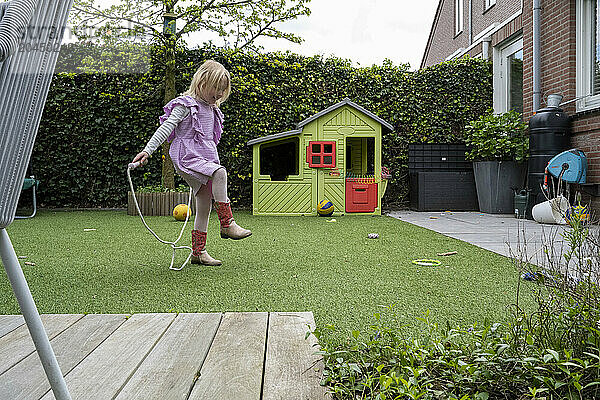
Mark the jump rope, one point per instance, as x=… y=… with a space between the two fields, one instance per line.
x=173 y=245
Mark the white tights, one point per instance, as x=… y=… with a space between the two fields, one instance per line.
x=204 y=197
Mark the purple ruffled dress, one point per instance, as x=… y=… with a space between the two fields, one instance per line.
x=194 y=140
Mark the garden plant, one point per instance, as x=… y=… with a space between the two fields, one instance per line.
x=549 y=351
x=497 y=137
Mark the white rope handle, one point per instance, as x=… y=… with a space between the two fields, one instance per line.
x=173 y=245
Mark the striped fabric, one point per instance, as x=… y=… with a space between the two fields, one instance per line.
x=15 y=17
x=26 y=68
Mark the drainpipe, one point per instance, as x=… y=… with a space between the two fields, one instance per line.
x=537 y=93
x=485 y=47
x=470 y=22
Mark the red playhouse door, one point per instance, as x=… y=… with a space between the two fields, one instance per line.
x=361 y=197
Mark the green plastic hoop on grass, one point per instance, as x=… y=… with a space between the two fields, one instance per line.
x=427 y=263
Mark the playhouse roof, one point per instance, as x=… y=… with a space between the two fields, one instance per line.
x=308 y=120
x=274 y=136
x=345 y=102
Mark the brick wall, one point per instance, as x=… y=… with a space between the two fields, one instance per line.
x=498 y=13
x=558 y=59
x=509 y=30
x=443 y=40
x=475 y=51
x=557 y=51
x=558 y=65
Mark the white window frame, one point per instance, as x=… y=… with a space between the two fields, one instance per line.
x=459 y=21
x=584 y=57
x=489 y=3
x=501 y=72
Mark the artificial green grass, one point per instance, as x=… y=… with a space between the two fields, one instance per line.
x=288 y=264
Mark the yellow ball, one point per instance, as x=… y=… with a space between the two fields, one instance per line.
x=180 y=212
x=325 y=208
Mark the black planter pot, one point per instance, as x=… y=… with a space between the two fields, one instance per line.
x=494 y=180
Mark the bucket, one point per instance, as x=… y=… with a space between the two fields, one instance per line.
x=551 y=211
x=554 y=100
x=520 y=203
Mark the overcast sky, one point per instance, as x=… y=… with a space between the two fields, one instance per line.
x=364 y=31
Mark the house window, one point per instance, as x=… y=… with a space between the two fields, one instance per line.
x=321 y=154
x=508 y=77
x=489 y=3
x=458 y=16
x=514 y=69
x=588 y=54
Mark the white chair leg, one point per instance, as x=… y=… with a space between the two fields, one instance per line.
x=32 y=317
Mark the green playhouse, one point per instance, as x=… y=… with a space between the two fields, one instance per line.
x=333 y=155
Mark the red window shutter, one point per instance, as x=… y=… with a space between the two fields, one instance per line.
x=321 y=154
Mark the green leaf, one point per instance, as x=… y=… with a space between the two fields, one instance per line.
x=570 y=364
x=529 y=339
x=595 y=383
x=553 y=353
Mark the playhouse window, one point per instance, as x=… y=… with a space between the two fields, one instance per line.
x=371 y=155
x=360 y=155
x=279 y=160
x=321 y=154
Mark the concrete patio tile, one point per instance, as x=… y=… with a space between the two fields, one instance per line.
x=501 y=233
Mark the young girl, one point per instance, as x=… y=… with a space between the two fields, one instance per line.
x=193 y=124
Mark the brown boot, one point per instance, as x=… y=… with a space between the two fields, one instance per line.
x=199 y=253
x=229 y=229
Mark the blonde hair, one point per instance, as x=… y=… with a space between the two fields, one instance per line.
x=210 y=74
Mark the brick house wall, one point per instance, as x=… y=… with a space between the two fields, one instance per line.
x=508 y=31
x=512 y=28
x=501 y=11
x=558 y=59
x=557 y=52
x=558 y=75
x=442 y=40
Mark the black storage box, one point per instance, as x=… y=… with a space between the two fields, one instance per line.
x=443 y=191
x=441 y=178
x=438 y=157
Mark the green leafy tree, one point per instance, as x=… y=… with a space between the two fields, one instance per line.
x=167 y=24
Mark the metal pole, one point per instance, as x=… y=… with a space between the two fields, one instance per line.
x=470 y=22
x=485 y=47
x=537 y=92
x=32 y=317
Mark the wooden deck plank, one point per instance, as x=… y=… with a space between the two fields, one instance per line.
x=292 y=370
x=18 y=344
x=159 y=355
x=101 y=374
x=27 y=380
x=234 y=365
x=9 y=323
x=171 y=368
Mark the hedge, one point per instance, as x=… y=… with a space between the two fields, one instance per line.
x=93 y=124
